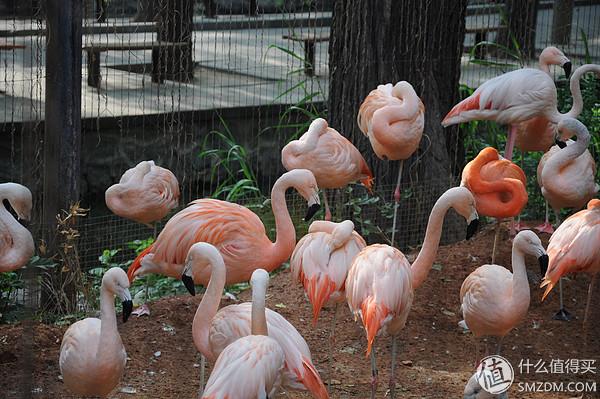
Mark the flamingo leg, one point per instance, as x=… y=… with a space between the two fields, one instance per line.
x=396 y=201
x=562 y=314
x=587 y=308
x=393 y=368
x=498 y=224
x=202 y=370
x=331 y=345
x=327 y=210
x=373 y=374
x=510 y=142
x=547 y=226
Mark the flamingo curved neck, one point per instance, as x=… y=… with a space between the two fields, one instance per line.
x=563 y=157
x=575 y=87
x=209 y=305
x=520 y=292
x=285 y=240
x=109 y=334
x=259 y=319
x=422 y=265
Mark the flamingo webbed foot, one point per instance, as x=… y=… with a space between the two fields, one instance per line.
x=563 y=315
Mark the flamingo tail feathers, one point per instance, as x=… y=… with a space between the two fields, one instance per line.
x=310 y=378
x=468 y=104
x=373 y=315
x=319 y=292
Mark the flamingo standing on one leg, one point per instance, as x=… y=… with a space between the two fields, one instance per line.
x=92 y=356
x=518 y=96
x=237 y=232
x=212 y=331
x=498 y=186
x=255 y=362
x=321 y=261
x=574 y=248
x=16 y=242
x=333 y=159
x=392 y=117
x=380 y=282
x=567 y=178
x=145 y=193
x=494 y=300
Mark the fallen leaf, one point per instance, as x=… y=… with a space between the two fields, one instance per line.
x=407 y=363
x=280 y=305
x=142 y=311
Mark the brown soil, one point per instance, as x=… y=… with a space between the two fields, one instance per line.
x=438 y=358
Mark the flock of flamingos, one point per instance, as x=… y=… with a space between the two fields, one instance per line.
x=215 y=243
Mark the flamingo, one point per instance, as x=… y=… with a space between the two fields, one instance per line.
x=237 y=232
x=494 y=300
x=16 y=242
x=145 y=193
x=499 y=186
x=321 y=261
x=212 y=331
x=567 y=178
x=255 y=362
x=518 y=96
x=392 y=117
x=333 y=159
x=92 y=356
x=473 y=390
x=380 y=282
x=574 y=248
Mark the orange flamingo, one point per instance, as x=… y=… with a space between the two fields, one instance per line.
x=494 y=300
x=380 y=282
x=573 y=248
x=255 y=362
x=333 y=159
x=145 y=193
x=16 y=242
x=567 y=178
x=237 y=232
x=92 y=356
x=214 y=329
x=321 y=261
x=497 y=184
x=392 y=117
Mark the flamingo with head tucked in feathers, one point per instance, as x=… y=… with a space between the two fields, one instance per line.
x=237 y=232
x=16 y=242
x=214 y=329
x=381 y=281
x=333 y=159
x=518 y=96
x=393 y=118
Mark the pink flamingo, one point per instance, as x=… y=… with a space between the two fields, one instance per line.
x=518 y=96
x=237 y=232
x=392 y=117
x=381 y=281
x=92 y=356
x=567 y=178
x=573 y=248
x=214 y=329
x=16 y=242
x=255 y=362
x=494 y=300
x=145 y=193
x=321 y=261
x=333 y=159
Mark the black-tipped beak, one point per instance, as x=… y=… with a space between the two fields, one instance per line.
x=472 y=228
x=567 y=67
x=127 y=309
x=314 y=208
x=543 y=264
x=24 y=223
x=560 y=143
x=189 y=284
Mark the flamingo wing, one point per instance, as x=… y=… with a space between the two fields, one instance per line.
x=234 y=321
x=379 y=290
x=254 y=363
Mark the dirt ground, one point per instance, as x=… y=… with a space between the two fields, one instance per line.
x=435 y=357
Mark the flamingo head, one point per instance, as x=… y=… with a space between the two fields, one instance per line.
x=530 y=244
x=304 y=181
x=200 y=255
x=19 y=198
x=463 y=202
x=116 y=282
x=553 y=56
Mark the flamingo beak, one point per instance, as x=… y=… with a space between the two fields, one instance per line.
x=473 y=225
x=543 y=260
x=127 y=309
x=561 y=144
x=187 y=280
x=312 y=209
x=567 y=68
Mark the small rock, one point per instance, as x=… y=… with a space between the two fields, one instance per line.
x=157 y=354
x=335 y=382
x=348 y=349
x=60 y=377
x=407 y=363
x=130 y=390
x=448 y=313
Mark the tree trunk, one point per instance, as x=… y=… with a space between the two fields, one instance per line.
x=147 y=11
x=176 y=24
x=382 y=41
x=521 y=21
x=562 y=14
